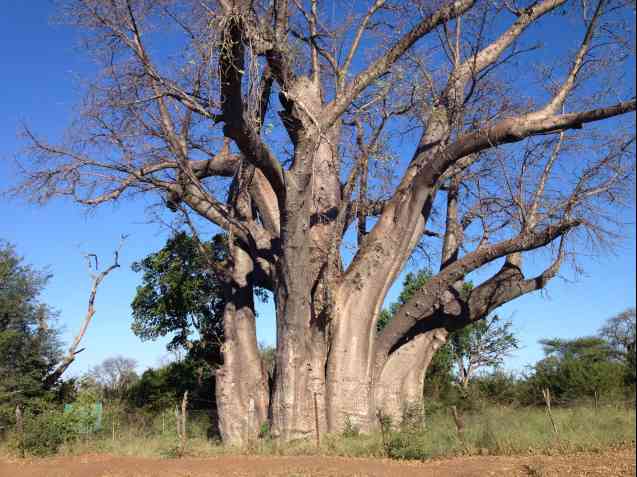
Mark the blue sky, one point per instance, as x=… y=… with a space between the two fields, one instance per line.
x=41 y=63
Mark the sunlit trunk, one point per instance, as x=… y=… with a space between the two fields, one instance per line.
x=303 y=301
x=241 y=383
x=400 y=388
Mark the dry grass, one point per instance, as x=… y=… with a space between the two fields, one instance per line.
x=494 y=431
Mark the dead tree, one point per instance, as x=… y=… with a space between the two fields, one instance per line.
x=97 y=279
x=288 y=126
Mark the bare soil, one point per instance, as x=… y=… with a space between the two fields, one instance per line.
x=616 y=463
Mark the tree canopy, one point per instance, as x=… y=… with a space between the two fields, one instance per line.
x=113 y=377
x=577 y=368
x=29 y=343
x=181 y=296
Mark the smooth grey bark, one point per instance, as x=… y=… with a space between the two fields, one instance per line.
x=241 y=383
x=350 y=368
x=303 y=290
x=353 y=368
x=400 y=387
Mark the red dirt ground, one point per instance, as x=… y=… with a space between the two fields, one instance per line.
x=616 y=463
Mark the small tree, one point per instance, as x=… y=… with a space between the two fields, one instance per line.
x=483 y=344
x=115 y=376
x=576 y=368
x=29 y=345
x=619 y=331
x=180 y=295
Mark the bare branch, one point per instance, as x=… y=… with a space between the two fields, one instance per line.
x=73 y=351
x=338 y=106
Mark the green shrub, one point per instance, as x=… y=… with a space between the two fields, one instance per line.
x=407 y=445
x=413 y=417
x=350 y=429
x=45 y=430
x=264 y=431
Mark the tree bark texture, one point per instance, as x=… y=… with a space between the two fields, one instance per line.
x=241 y=384
x=289 y=206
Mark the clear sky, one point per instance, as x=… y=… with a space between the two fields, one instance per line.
x=40 y=67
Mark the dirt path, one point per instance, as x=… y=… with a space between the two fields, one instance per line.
x=619 y=463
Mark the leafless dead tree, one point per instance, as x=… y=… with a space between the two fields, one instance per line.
x=97 y=279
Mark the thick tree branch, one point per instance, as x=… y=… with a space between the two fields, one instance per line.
x=515 y=130
x=237 y=125
x=490 y=54
x=439 y=294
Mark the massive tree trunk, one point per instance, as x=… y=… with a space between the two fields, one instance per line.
x=241 y=384
x=303 y=288
x=350 y=367
x=353 y=371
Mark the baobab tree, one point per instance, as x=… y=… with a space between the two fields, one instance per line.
x=331 y=142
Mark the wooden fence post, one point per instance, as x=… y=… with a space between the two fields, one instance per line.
x=316 y=423
x=457 y=419
x=19 y=426
x=184 y=418
x=547 y=399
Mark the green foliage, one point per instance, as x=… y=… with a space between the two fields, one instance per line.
x=577 y=368
x=439 y=380
x=494 y=430
x=413 y=417
x=407 y=445
x=29 y=345
x=264 y=431
x=499 y=387
x=412 y=283
x=45 y=429
x=350 y=429
x=162 y=388
x=181 y=296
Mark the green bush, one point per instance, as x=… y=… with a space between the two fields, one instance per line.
x=350 y=429
x=45 y=430
x=413 y=417
x=407 y=445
